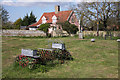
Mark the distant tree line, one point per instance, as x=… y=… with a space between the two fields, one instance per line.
x=27 y=20
x=6 y=24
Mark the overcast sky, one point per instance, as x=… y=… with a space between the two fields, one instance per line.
x=19 y=8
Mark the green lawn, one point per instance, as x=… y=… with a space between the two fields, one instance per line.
x=91 y=59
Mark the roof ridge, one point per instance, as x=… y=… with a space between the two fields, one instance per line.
x=59 y=11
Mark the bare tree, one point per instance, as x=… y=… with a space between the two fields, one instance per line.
x=88 y=12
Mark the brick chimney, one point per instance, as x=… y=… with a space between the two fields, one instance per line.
x=57 y=9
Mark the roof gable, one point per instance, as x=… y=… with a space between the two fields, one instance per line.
x=54 y=17
x=43 y=18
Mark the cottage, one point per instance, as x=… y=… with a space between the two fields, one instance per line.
x=58 y=16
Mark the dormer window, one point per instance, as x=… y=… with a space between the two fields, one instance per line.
x=44 y=20
x=54 y=19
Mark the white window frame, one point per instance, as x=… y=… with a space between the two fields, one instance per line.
x=43 y=20
x=54 y=19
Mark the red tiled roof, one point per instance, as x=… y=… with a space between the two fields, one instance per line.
x=62 y=16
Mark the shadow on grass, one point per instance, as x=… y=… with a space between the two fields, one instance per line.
x=36 y=36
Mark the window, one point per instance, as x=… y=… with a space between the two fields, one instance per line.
x=72 y=20
x=44 y=20
x=54 y=19
x=59 y=27
x=54 y=28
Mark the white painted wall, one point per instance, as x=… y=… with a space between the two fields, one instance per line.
x=54 y=19
x=43 y=20
x=50 y=30
x=32 y=28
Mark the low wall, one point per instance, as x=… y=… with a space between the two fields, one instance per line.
x=101 y=33
x=59 y=33
x=41 y=33
x=23 y=33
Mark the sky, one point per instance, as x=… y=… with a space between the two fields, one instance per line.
x=19 y=8
x=19 y=11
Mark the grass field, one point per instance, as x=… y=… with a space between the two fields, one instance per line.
x=91 y=59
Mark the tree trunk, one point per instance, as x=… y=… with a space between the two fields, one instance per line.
x=105 y=25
